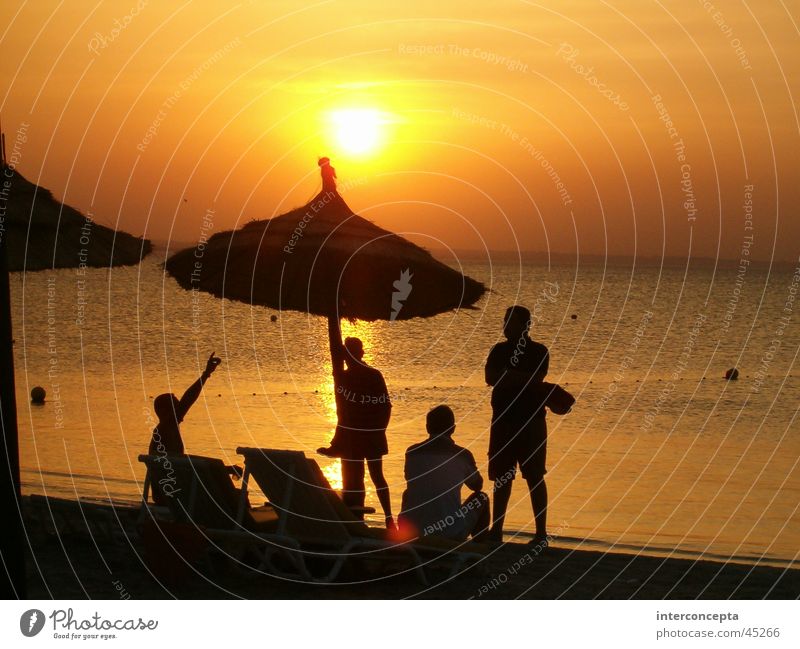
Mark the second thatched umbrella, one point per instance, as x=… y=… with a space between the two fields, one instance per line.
x=324 y=259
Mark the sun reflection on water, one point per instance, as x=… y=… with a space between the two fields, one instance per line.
x=333 y=472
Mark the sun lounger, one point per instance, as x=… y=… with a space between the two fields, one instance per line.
x=307 y=506
x=204 y=511
x=315 y=521
x=200 y=490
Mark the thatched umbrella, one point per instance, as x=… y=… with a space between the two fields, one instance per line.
x=323 y=259
x=44 y=233
x=37 y=232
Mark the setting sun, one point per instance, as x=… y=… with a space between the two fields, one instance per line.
x=357 y=131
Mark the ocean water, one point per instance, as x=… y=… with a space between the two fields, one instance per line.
x=659 y=454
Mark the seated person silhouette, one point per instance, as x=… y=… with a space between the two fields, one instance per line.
x=435 y=470
x=166 y=440
x=328 y=175
x=363 y=409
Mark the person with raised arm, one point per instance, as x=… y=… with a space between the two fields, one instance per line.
x=166 y=439
x=363 y=409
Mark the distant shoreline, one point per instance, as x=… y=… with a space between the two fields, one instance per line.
x=507 y=257
x=571 y=259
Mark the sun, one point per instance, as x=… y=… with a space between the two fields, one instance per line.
x=358 y=131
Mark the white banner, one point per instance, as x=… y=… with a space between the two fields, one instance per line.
x=339 y=624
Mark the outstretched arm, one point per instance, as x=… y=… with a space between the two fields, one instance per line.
x=337 y=347
x=190 y=396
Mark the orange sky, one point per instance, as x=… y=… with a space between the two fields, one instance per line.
x=486 y=108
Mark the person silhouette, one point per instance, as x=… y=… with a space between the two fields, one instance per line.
x=363 y=409
x=435 y=471
x=328 y=175
x=516 y=369
x=166 y=439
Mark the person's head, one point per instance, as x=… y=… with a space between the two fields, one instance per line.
x=440 y=422
x=517 y=322
x=166 y=407
x=323 y=162
x=354 y=348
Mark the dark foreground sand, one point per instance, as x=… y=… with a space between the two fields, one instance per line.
x=74 y=564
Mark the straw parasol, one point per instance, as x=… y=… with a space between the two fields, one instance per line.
x=44 y=233
x=321 y=256
x=37 y=232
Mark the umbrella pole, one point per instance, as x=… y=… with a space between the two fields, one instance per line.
x=12 y=570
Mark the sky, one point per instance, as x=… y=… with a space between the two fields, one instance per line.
x=597 y=128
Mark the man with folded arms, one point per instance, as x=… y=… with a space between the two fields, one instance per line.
x=516 y=369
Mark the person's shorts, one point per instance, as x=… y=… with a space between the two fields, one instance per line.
x=512 y=444
x=360 y=445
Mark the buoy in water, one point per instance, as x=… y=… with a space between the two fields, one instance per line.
x=38 y=395
x=732 y=374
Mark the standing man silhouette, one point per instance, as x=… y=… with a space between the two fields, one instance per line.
x=515 y=369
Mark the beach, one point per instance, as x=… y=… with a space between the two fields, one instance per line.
x=79 y=565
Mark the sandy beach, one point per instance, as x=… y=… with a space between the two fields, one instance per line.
x=76 y=564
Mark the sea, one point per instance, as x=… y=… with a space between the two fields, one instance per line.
x=660 y=454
